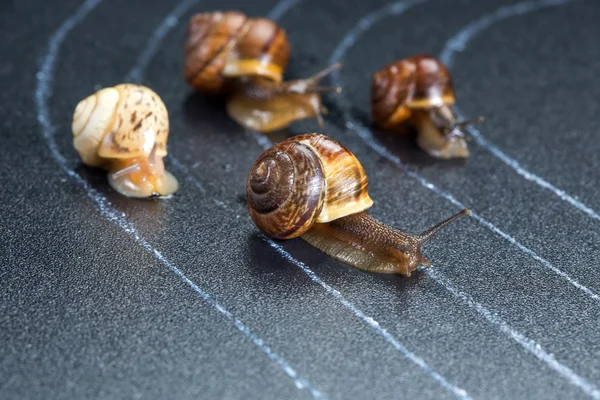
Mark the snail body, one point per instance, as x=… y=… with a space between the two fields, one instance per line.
x=244 y=58
x=418 y=90
x=312 y=187
x=124 y=129
x=265 y=106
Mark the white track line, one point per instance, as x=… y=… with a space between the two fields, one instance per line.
x=42 y=94
x=364 y=133
x=458 y=392
x=264 y=142
x=529 y=345
x=363 y=25
x=460 y=41
x=137 y=72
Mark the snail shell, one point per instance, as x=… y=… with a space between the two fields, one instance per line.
x=305 y=179
x=417 y=82
x=418 y=90
x=229 y=53
x=223 y=45
x=313 y=187
x=120 y=125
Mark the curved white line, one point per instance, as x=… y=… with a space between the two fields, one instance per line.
x=364 y=133
x=529 y=345
x=458 y=392
x=42 y=94
x=262 y=140
x=363 y=25
x=137 y=72
x=460 y=41
x=278 y=11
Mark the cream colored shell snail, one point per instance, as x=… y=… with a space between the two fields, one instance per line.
x=124 y=129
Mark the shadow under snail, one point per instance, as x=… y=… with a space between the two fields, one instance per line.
x=228 y=53
x=124 y=129
x=312 y=187
x=418 y=90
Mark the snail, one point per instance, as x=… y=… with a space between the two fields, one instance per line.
x=418 y=90
x=228 y=53
x=265 y=106
x=312 y=187
x=224 y=45
x=124 y=130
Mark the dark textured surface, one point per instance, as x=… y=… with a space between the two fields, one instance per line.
x=87 y=310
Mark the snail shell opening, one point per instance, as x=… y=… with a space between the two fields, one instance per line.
x=225 y=45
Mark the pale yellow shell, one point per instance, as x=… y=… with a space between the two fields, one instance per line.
x=124 y=121
x=347 y=185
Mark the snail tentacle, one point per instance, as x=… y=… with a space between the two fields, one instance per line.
x=418 y=91
x=313 y=187
x=124 y=129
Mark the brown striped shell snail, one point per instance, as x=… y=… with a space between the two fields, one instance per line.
x=418 y=90
x=312 y=187
x=124 y=129
x=229 y=53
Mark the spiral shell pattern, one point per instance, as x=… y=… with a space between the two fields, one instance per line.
x=285 y=190
x=221 y=45
x=124 y=121
x=302 y=180
x=91 y=119
x=391 y=89
x=419 y=81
